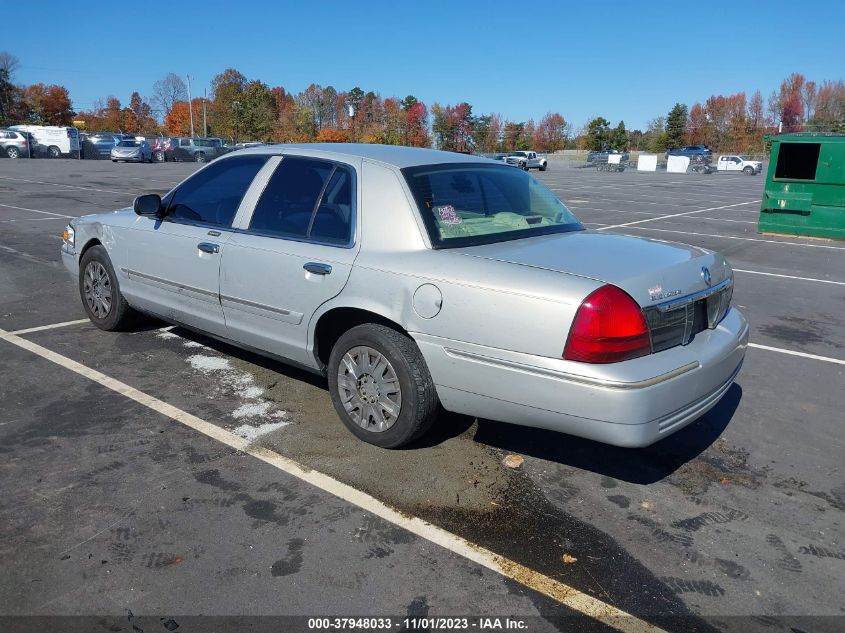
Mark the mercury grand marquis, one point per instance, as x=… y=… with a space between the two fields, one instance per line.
x=416 y=280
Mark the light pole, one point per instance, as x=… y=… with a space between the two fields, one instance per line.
x=190 y=106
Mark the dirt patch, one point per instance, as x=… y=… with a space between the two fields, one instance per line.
x=721 y=463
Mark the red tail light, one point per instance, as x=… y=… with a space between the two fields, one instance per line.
x=609 y=327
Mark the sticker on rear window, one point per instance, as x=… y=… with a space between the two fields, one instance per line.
x=448 y=215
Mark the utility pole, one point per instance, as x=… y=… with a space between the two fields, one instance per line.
x=204 y=99
x=190 y=106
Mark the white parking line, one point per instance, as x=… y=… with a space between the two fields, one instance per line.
x=758 y=272
x=732 y=237
x=58 y=215
x=676 y=215
x=52 y=326
x=61 y=184
x=825 y=359
x=701 y=217
x=562 y=593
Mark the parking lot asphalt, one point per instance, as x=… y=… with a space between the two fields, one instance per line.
x=108 y=507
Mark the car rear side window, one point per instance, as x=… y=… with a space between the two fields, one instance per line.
x=213 y=195
x=797 y=161
x=307 y=199
x=468 y=204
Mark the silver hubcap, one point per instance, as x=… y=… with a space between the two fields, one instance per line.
x=369 y=389
x=96 y=286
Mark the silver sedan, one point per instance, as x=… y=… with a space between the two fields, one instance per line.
x=130 y=150
x=416 y=279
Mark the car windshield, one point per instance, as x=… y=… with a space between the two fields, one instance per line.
x=745 y=157
x=468 y=204
x=129 y=144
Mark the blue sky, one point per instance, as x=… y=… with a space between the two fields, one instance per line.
x=621 y=60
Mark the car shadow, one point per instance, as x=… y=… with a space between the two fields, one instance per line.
x=633 y=465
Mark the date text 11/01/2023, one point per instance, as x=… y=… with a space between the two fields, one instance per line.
x=419 y=624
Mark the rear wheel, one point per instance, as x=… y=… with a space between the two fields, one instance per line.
x=100 y=292
x=159 y=156
x=380 y=386
x=199 y=157
x=54 y=152
x=13 y=152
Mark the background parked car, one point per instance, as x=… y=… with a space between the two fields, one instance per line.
x=99 y=146
x=132 y=150
x=691 y=150
x=14 y=144
x=527 y=160
x=200 y=150
x=601 y=156
x=732 y=162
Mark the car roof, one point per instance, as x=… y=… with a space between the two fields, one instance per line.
x=396 y=155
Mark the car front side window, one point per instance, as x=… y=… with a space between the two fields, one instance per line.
x=213 y=195
x=307 y=199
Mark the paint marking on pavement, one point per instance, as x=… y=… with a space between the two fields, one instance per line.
x=58 y=215
x=61 y=184
x=758 y=272
x=677 y=215
x=556 y=590
x=826 y=359
x=733 y=237
x=52 y=326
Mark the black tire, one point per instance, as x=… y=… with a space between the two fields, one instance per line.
x=542 y=166
x=200 y=157
x=119 y=316
x=114 y=160
x=54 y=152
x=160 y=157
x=419 y=405
x=13 y=152
x=524 y=166
x=749 y=171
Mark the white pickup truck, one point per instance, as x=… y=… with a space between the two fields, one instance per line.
x=739 y=163
x=526 y=160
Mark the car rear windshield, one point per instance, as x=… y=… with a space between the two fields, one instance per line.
x=468 y=204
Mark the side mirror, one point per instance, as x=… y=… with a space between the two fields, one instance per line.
x=149 y=204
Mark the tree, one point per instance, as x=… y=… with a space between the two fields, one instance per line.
x=417 y=123
x=12 y=107
x=9 y=63
x=619 y=138
x=409 y=102
x=178 y=120
x=676 y=126
x=167 y=91
x=138 y=116
x=257 y=114
x=225 y=108
x=49 y=104
x=452 y=127
x=598 y=134
x=551 y=133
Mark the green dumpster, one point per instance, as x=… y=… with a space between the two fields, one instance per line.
x=805 y=186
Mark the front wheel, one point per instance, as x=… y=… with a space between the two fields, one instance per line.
x=749 y=171
x=100 y=292
x=159 y=157
x=200 y=157
x=54 y=152
x=380 y=386
x=542 y=166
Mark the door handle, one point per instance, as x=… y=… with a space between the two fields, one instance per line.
x=208 y=247
x=316 y=268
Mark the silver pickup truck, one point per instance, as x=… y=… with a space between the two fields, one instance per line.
x=527 y=160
